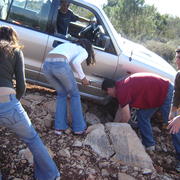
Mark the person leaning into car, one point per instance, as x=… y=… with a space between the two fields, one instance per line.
x=174 y=117
x=57 y=69
x=65 y=16
x=12 y=114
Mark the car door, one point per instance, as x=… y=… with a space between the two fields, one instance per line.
x=30 y=19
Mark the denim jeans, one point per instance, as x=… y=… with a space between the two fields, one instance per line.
x=176 y=143
x=61 y=77
x=144 y=118
x=14 y=117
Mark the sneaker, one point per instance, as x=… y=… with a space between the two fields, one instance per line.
x=150 y=148
x=80 y=132
x=177 y=166
x=58 y=178
x=58 y=132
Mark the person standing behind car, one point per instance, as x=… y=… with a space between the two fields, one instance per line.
x=65 y=16
x=58 y=72
x=174 y=116
x=12 y=114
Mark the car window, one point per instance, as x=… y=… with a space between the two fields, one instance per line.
x=83 y=12
x=87 y=25
x=4 y=4
x=30 y=13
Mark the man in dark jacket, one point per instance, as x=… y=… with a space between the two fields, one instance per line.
x=174 y=117
x=65 y=16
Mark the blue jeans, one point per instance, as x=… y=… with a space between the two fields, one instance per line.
x=176 y=143
x=14 y=117
x=144 y=118
x=61 y=77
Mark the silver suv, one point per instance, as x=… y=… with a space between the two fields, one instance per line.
x=116 y=57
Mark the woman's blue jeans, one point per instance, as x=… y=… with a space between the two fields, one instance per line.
x=14 y=117
x=144 y=118
x=61 y=77
x=176 y=143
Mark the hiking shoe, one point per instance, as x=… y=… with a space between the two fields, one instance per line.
x=150 y=148
x=177 y=166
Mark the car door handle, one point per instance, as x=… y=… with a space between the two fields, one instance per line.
x=56 y=43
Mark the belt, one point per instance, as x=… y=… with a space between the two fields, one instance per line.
x=55 y=59
x=5 y=98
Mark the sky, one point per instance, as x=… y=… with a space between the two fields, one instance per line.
x=171 y=7
x=166 y=6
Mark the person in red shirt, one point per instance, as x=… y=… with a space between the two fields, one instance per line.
x=145 y=91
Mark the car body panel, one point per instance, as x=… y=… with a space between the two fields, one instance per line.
x=116 y=57
x=34 y=46
x=137 y=58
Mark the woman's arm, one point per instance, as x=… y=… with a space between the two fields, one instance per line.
x=78 y=68
x=19 y=74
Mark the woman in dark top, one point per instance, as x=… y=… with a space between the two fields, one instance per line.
x=174 y=117
x=12 y=114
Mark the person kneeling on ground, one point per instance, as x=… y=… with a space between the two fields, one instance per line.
x=136 y=91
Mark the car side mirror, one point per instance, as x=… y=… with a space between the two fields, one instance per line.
x=105 y=41
x=102 y=41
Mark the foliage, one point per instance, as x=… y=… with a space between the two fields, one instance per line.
x=140 y=22
x=81 y=11
x=162 y=49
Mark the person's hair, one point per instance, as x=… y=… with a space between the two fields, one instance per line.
x=86 y=44
x=8 y=41
x=178 y=49
x=107 y=83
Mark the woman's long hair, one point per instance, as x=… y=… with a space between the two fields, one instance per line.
x=86 y=44
x=8 y=41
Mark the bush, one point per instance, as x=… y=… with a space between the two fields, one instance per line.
x=165 y=50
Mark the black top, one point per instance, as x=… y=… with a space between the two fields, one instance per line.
x=10 y=67
x=176 y=98
x=63 y=21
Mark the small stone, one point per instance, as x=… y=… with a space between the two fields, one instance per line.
x=104 y=172
x=23 y=161
x=12 y=171
x=147 y=171
x=77 y=143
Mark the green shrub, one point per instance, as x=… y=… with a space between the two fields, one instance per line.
x=165 y=50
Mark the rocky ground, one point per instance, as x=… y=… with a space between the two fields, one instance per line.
x=78 y=162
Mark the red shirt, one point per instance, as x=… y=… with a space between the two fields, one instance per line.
x=142 y=90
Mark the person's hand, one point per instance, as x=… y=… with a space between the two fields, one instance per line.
x=172 y=115
x=85 y=82
x=93 y=20
x=174 y=125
